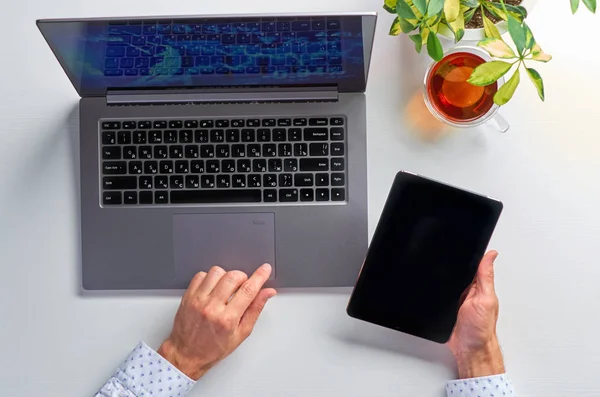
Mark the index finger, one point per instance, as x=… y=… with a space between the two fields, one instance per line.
x=249 y=290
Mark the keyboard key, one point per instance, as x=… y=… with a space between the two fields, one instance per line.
x=337 y=164
x=269 y=180
x=160 y=152
x=222 y=151
x=207 y=181
x=294 y=134
x=253 y=123
x=270 y=195
x=190 y=124
x=254 y=150
x=145 y=197
x=300 y=149
x=150 y=167
x=155 y=136
x=285 y=180
x=207 y=151
x=145 y=152
x=337 y=134
x=337 y=149
x=176 y=182
x=182 y=167
x=223 y=181
x=337 y=179
x=307 y=195
x=319 y=149
x=111 y=198
x=301 y=25
x=145 y=183
x=239 y=181
x=290 y=165
x=217 y=136
x=130 y=198
x=264 y=135
x=161 y=197
x=192 y=182
x=316 y=134
x=279 y=134
x=269 y=122
x=191 y=152
x=318 y=121
x=161 y=182
x=144 y=124
x=338 y=194
x=119 y=182
x=275 y=165
x=114 y=167
x=222 y=123
x=322 y=194
x=336 y=121
x=108 y=137
x=160 y=124
x=201 y=136
x=248 y=135
x=176 y=152
x=259 y=165
x=111 y=153
x=288 y=195
x=269 y=150
x=303 y=180
x=322 y=179
x=130 y=152
x=216 y=196
x=111 y=125
x=213 y=166
x=238 y=151
x=300 y=122
x=186 y=136
x=175 y=124
x=135 y=167
x=284 y=149
x=170 y=136
x=284 y=122
x=254 y=180
x=197 y=166
x=124 y=137
x=166 y=167
x=139 y=137
x=314 y=164
x=244 y=165
x=232 y=135
x=228 y=165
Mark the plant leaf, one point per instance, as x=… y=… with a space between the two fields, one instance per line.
x=425 y=35
x=497 y=48
x=538 y=55
x=395 y=28
x=421 y=6
x=458 y=27
x=435 y=7
x=518 y=33
x=390 y=6
x=470 y=3
x=519 y=12
x=537 y=81
x=469 y=15
x=529 y=39
x=491 y=31
x=495 y=11
x=416 y=38
x=574 y=6
x=506 y=92
x=434 y=47
x=404 y=10
x=489 y=72
x=451 y=10
x=591 y=5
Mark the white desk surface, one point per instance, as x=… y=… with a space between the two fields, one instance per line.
x=56 y=342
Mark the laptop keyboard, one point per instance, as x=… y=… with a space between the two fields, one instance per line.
x=223 y=161
x=255 y=46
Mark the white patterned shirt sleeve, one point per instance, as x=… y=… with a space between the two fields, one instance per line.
x=487 y=386
x=145 y=373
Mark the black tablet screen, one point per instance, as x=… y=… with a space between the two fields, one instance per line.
x=424 y=254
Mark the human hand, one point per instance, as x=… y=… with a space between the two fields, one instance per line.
x=217 y=313
x=474 y=342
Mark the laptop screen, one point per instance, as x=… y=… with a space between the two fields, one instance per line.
x=124 y=54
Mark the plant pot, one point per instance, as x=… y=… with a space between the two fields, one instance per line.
x=478 y=34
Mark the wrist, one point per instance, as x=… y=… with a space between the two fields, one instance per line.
x=190 y=366
x=484 y=361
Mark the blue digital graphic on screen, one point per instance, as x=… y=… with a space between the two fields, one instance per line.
x=100 y=55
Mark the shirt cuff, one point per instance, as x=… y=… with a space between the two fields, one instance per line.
x=146 y=373
x=487 y=386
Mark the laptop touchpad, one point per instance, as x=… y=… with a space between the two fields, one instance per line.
x=232 y=241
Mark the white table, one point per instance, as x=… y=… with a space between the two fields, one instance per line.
x=56 y=342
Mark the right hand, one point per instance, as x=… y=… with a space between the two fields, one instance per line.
x=474 y=342
x=217 y=313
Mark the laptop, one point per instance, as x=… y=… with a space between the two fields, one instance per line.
x=220 y=140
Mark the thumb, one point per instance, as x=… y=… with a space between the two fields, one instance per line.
x=256 y=307
x=485 y=273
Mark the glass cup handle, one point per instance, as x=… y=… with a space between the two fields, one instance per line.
x=499 y=123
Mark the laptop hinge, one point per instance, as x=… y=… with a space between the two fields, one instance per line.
x=223 y=95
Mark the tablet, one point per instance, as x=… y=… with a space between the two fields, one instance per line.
x=424 y=254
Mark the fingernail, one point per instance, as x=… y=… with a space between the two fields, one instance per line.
x=266 y=267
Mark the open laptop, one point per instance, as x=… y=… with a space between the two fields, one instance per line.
x=220 y=140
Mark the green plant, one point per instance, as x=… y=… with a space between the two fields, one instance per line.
x=422 y=19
